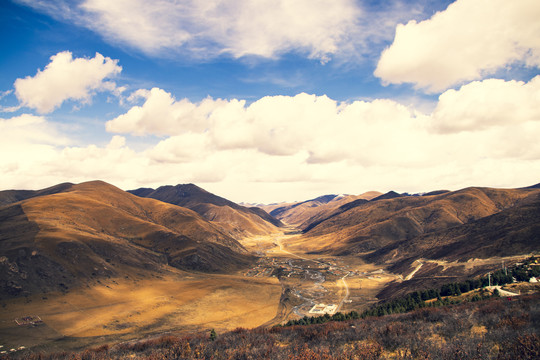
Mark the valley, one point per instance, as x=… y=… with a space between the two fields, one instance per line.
x=344 y=283
x=99 y=265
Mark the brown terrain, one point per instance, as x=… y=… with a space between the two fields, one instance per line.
x=96 y=262
x=238 y=221
x=95 y=230
x=301 y=214
x=429 y=239
x=464 y=224
x=99 y=264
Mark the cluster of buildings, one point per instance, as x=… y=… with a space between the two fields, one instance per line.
x=321 y=309
x=287 y=267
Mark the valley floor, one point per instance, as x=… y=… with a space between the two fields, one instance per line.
x=308 y=280
x=495 y=328
x=285 y=283
x=120 y=310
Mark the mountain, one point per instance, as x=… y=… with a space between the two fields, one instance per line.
x=94 y=230
x=11 y=196
x=301 y=214
x=459 y=225
x=239 y=221
x=510 y=231
x=388 y=195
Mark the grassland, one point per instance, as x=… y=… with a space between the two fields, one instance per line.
x=120 y=310
x=491 y=329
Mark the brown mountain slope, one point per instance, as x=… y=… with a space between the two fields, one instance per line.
x=12 y=196
x=95 y=230
x=512 y=231
x=238 y=221
x=301 y=214
x=426 y=225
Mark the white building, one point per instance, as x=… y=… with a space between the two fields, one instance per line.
x=321 y=309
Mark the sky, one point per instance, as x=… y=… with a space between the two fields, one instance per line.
x=270 y=100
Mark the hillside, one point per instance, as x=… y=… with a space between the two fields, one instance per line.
x=489 y=329
x=94 y=230
x=101 y=264
x=459 y=225
x=238 y=221
x=301 y=214
x=12 y=196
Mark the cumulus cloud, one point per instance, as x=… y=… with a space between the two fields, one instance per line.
x=65 y=78
x=295 y=147
x=467 y=41
x=27 y=142
x=323 y=131
x=483 y=104
x=27 y=128
x=273 y=125
x=161 y=114
x=181 y=148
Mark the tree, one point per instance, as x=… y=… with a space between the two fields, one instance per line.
x=213 y=335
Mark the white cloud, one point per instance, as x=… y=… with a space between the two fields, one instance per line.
x=65 y=78
x=26 y=128
x=27 y=142
x=181 y=148
x=323 y=131
x=483 y=104
x=296 y=147
x=161 y=114
x=467 y=41
x=5 y=93
x=138 y=94
x=202 y=29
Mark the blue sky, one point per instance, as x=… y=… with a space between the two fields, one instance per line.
x=271 y=100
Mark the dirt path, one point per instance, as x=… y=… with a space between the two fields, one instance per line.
x=410 y=276
x=280 y=244
x=347 y=293
x=503 y=292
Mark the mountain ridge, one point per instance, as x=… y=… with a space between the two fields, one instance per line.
x=238 y=220
x=94 y=230
x=384 y=223
x=302 y=213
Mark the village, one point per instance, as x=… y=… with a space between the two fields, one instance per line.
x=295 y=267
x=318 y=284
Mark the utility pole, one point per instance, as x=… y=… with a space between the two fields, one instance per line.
x=489 y=279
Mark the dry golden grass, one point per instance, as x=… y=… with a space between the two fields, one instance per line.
x=151 y=305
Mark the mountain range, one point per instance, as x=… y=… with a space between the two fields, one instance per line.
x=239 y=221
x=303 y=213
x=458 y=225
x=70 y=235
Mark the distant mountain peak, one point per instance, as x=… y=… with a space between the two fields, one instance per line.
x=389 y=195
x=211 y=207
x=536 y=186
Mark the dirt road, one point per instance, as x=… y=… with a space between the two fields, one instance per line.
x=347 y=293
